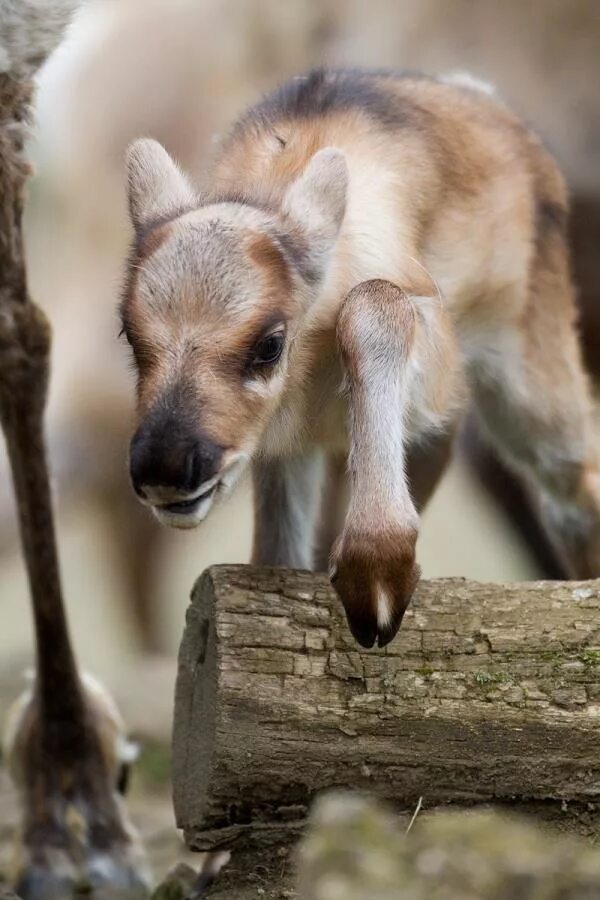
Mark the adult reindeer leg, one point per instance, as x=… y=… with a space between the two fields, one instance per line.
x=64 y=742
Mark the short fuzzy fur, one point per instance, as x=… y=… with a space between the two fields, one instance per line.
x=405 y=236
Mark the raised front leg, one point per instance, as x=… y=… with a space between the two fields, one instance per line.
x=286 y=503
x=380 y=337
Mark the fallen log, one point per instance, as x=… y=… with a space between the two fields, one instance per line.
x=490 y=694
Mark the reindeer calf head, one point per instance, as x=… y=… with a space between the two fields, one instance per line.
x=214 y=299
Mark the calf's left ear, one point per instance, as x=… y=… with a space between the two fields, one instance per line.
x=316 y=201
x=156 y=187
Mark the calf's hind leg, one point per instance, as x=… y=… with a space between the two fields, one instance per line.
x=426 y=462
x=535 y=403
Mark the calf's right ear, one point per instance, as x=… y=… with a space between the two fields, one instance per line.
x=316 y=202
x=156 y=187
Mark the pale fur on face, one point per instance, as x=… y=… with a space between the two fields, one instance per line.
x=216 y=272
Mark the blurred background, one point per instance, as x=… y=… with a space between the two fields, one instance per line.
x=180 y=70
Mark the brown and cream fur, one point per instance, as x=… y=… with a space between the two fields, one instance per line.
x=402 y=240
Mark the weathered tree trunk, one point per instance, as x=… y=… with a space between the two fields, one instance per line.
x=490 y=694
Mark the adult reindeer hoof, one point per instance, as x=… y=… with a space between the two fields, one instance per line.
x=107 y=878
x=375 y=576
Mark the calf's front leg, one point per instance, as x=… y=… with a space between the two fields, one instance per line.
x=373 y=565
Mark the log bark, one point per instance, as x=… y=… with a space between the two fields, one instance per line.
x=490 y=694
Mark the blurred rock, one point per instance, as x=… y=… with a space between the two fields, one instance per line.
x=354 y=850
x=177 y=883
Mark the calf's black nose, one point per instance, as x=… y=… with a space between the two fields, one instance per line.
x=172 y=458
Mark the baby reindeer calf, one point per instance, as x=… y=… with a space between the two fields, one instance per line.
x=376 y=248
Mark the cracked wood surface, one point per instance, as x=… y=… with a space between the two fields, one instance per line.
x=489 y=695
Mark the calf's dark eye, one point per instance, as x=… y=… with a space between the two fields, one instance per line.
x=268 y=349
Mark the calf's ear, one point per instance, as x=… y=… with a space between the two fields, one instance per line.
x=156 y=187
x=316 y=202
